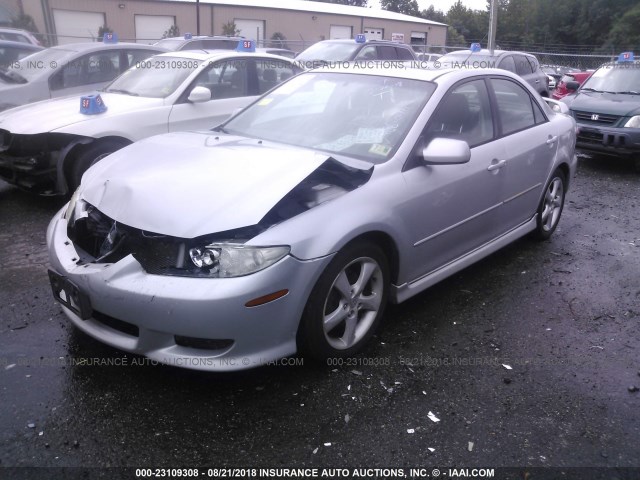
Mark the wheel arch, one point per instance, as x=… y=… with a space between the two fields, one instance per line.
x=388 y=246
x=74 y=149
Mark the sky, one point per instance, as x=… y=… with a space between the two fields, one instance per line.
x=443 y=5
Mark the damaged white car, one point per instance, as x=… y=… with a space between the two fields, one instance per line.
x=289 y=227
x=45 y=147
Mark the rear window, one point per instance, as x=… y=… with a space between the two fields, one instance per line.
x=404 y=53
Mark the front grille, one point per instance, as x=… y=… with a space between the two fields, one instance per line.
x=595 y=118
x=590 y=137
x=107 y=241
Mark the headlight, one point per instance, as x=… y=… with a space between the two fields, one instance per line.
x=71 y=206
x=634 y=122
x=223 y=260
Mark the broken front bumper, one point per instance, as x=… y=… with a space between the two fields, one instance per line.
x=197 y=323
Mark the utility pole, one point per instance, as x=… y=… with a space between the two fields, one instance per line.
x=493 y=24
x=197 y=17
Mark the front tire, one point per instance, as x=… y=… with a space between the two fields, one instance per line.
x=551 y=205
x=88 y=156
x=347 y=303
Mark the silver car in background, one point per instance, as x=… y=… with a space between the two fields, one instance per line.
x=289 y=227
x=67 y=70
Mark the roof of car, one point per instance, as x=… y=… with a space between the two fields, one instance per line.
x=203 y=55
x=91 y=46
x=23 y=45
x=426 y=74
x=351 y=40
x=487 y=53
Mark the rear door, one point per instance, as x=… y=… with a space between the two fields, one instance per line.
x=530 y=145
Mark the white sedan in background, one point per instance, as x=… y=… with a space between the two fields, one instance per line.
x=45 y=147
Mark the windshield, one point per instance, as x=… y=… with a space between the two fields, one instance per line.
x=617 y=78
x=155 y=77
x=47 y=60
x=363 y=116
x=329 y=51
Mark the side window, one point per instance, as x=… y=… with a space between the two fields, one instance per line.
x=464 y=114
x=102 y=66
x=523 y=67
x=136 y=56
x=272 y=72
x=92 y=68
x=224 y=79
x=367 y=53
x=507 y=63
x=537 y=112
x=387 y=52
x=514 y=106
x=404 y=53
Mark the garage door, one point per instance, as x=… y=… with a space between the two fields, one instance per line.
x=373 y=33
x=339 y=31
x=150 y=28
x=72 y=26
x=253 y=29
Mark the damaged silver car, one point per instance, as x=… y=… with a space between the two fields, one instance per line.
x=289 y=227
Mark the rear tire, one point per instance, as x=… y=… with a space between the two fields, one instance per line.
x=347 y=303
x=551 y=205
x=88 y=156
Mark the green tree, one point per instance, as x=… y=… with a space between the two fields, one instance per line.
x=230 y=29
x=408 y=7
x=173 y=31
x=278 y=40
x=625 y=34
x=435 y=15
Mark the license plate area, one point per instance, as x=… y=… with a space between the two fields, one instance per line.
x=69 y=295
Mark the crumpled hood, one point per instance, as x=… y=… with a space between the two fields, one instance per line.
x=605 y=103
x=50 y=115
x=190 y=184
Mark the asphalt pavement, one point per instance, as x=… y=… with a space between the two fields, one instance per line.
x=528 y=358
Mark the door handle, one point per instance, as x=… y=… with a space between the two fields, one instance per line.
x=552 y=140
x=497 y=165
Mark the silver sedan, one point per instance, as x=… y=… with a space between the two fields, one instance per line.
x=289 y=227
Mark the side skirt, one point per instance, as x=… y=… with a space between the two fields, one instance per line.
x=405 y=291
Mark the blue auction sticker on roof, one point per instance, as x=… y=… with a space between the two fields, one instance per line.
x=360 y=38
x=246 y=46
x=92 y=104
x=110 y=37
x=475 y=47
x=626 y=57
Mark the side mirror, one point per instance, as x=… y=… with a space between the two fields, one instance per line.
x=446 y=151
x=556 y=106
x=199 y=95
x=573 y=86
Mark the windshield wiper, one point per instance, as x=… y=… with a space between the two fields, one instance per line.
x=120 y=90
x=589 y=89
x=629 y=92
x=220 y=129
